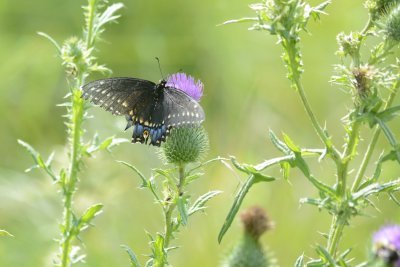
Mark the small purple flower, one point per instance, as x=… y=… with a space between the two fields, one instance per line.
x=187 y=84
x=387 y=244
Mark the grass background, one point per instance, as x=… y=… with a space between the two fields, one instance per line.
x=246 y=94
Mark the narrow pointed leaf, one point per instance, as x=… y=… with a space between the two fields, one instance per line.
x=200 y=203
x=183 y=212
x=142 y=177
x=48 y=37
x=5 y=233
x=132 y=257
x=299 y=262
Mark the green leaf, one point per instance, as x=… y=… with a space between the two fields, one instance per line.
x=199 y=204
x=390 y=137
x=48 y=37
x=84 y=221
x=274 y=161
x=325 y=255
x=37 y=158
x=278 y=143
x=5 y=233
x=182 y=209
x=389 y=113
x=237 y=202
x=132 y=257
x=159 y=253
x=249 y=19
x=299 y=262
x=193 y=177
x=145 y=183
x=290 y=144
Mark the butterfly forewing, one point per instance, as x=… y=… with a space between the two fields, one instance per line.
x=119 y=95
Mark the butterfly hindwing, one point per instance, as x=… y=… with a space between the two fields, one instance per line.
x=180 y=109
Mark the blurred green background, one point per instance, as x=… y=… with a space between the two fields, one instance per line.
x=246 y=93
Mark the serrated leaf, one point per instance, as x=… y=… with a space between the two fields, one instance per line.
x=182 y=209
x=200 y=203
x=5 y=233
x=132 y=256
x=145 y=182
x=299 y=261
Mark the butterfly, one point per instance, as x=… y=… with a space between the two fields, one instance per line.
x=152 y=109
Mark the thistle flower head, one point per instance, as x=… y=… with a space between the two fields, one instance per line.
x=187 y=84
x=392 y=25
x=386 y=244
x=185 y=145
x=255 y=221
x=377 y=8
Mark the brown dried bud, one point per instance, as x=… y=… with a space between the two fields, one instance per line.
x=255 y=221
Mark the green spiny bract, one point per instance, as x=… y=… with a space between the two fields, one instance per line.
x=185 y=145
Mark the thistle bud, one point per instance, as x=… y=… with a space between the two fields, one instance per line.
x=249 y=252
x=392 y=25
x=185 y=145
x=378 y=8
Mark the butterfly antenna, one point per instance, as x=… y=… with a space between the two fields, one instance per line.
x=159 y=67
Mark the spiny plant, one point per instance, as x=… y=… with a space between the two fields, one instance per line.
x=371 y=77
x=183 y=149
x=77 y=55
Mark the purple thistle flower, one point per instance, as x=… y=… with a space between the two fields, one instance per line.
x=387 y=244
x=187 y=84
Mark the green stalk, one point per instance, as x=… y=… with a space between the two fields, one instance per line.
x=172 y=206
x=72 y=177
x=290 y=47
x=371 y=146
x=334 y=234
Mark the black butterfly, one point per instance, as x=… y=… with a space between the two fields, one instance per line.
x=152 y=109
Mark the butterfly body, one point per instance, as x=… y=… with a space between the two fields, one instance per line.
x=151 y=109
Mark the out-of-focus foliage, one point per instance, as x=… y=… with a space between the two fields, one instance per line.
x=246 y=93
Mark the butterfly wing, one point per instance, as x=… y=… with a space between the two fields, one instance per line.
x=180 y=109
x=152 y=109
x=121 y=96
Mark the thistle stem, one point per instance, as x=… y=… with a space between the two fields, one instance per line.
x=372 y=144
x=168 y=214
x=293 y=65
x=335 y=234
x=72 y=177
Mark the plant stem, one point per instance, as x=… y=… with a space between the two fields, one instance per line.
x=334 y=234
x=371 y=146
x=72 y=177
x=290 y=47
x=168 y=214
